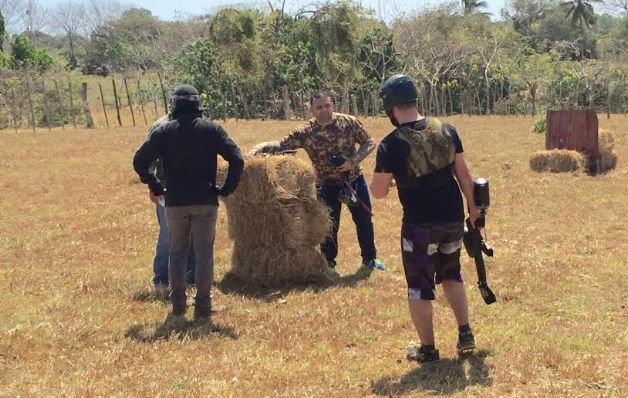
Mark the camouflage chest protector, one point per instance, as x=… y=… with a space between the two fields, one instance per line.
x=430 y=149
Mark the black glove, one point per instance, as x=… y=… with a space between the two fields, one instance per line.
x=222 y=191
x=156 y=189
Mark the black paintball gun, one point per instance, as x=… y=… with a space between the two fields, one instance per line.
x=348 y=195
x=474 y=242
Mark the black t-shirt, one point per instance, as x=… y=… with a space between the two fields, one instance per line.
x=427 y=202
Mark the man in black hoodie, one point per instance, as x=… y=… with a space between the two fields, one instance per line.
x=188 y=146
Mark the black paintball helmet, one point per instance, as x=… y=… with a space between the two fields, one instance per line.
x=398 y=90
x=185 y=98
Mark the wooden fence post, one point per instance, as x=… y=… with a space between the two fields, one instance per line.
x=163 y=92
x=72 y=103
x=30 y=102
x=61 y=107
x=287 y=112
x=14 y=109
x=155 y=100
x=128 y=98
x=115 y=96
x=88 y=113
x=46 y=109
x=139 y=95
x=104 y=108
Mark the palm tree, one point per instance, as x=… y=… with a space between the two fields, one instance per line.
x=581 y=13
x=472 y=6
x=582 y=16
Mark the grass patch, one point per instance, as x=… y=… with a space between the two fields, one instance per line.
x=77 y=236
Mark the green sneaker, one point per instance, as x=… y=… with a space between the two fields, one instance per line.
x=374 y=264
x=332 y=274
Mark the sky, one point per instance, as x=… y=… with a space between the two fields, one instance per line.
x=386 y=9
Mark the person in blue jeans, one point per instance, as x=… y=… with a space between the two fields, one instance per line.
x=160 y=262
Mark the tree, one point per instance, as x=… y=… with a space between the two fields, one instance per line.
x=2 y=31
x=130 y=41
x=616 y=42
x=70 y=17
x=34 y=16
x=431 y=53
x=582 y=16
x=11 y=11
x=525 y=15
x=101 y=12
x=335 y=34
x=473 y=6
x=581 y=13
x=236 y=35
x=24 y=55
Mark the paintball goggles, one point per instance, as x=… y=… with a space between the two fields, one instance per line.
x=474 y=243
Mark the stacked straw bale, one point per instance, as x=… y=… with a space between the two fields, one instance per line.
x=558 y=161
x=276 y=223
x=608 y=158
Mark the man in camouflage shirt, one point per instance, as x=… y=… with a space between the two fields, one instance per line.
x=327 y=135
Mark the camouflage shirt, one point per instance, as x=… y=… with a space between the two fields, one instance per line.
x=340 y=137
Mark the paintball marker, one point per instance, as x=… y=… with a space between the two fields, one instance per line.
x=348 y=195
x=474 y=242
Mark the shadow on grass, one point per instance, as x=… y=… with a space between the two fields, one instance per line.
x=443 y=378
x=232 y=284
x=177 y=327
x=147 y=294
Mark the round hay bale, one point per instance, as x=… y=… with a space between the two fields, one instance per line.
x=558 y=161
x=606 y=140
x=608 y=160
x=276 y=222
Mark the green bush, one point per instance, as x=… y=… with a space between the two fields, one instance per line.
x=540 y=125
x=24 y=55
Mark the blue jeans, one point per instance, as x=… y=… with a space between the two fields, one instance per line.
x=328 y=194
x=160 y=263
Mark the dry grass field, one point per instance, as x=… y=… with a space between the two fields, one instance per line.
x=77 y=235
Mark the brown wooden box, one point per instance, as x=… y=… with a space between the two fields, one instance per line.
x=576 y=130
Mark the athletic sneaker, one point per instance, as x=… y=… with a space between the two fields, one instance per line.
x=332 y=274
x=374 y=264
x=423 y=354
x=466 y=342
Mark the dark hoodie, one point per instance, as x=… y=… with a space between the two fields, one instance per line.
x=188 y=147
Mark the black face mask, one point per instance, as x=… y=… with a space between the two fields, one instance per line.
x=391 y=117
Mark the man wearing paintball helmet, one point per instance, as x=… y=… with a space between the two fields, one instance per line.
x=160 y=261
x=330 y=140
x=426 y=159
x=188 y=146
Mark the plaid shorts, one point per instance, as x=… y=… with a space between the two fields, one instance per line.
x=431 y=254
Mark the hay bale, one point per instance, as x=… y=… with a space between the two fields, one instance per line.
x=608 y=158
x=558 y=161
x=606 y=140
x=276 y=222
